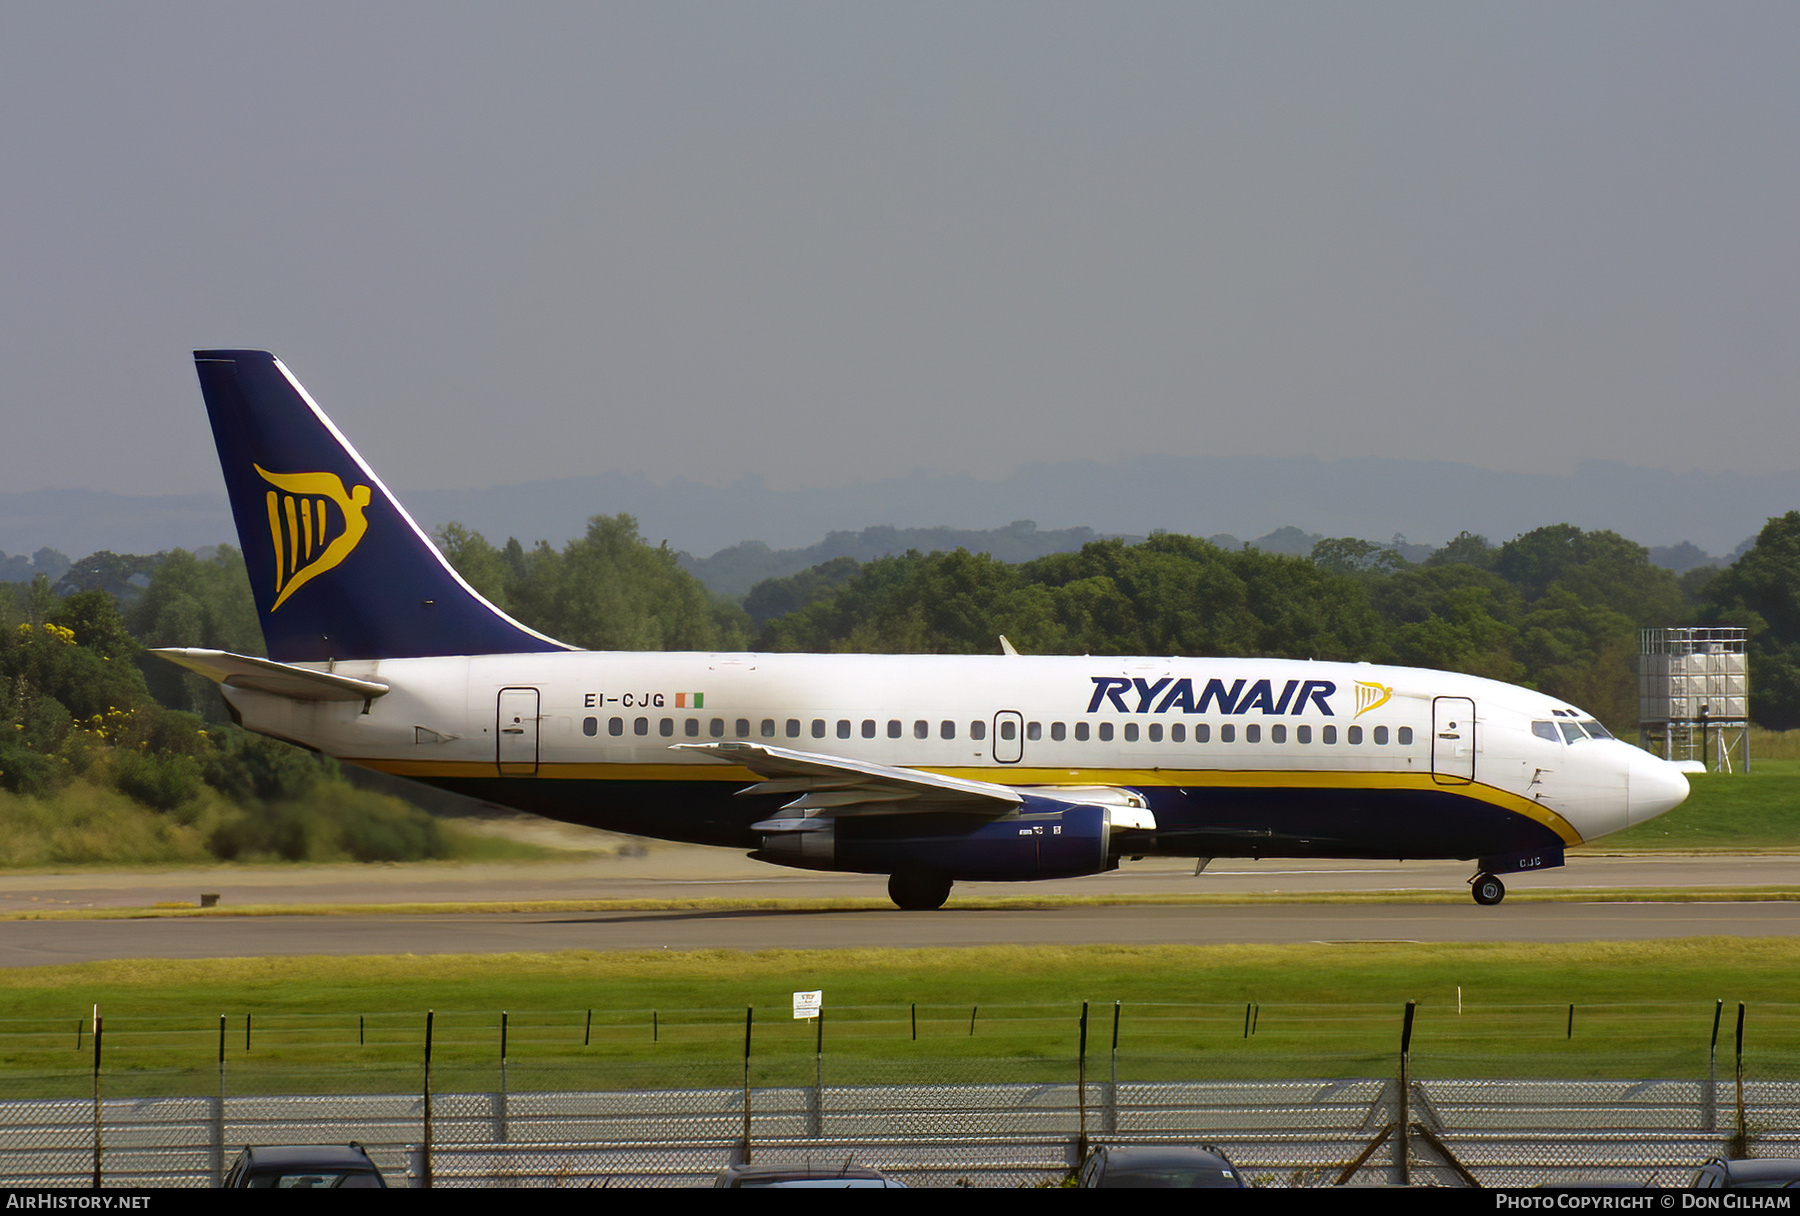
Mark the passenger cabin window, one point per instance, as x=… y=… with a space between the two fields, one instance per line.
x=1156 y=732
x=1328 y=734
x=1202 y=733
x=615 y=726
x=716 y=728
x=893 y=728
x=1131 y=732
x=921 y=729
x=868 y=728
x=1227 y=733
x=1178 y=733
x=818 y=728
x=978 y=729
x=1353 y=736
x=1404 y=736
x=1008 y=730
x=692 y=728
x=768 y=728
x=1252 y=733
x=1081 y=732
x=1034 y=730
x=843 y=728
x=1106 y=732
x=590 y=727
x=743 y=728
x=1058 y=732
x=1381 y=734
x=1278 y=733
x=793 y=728
x=946 y=729
x=1303 y=734
x=666 y=727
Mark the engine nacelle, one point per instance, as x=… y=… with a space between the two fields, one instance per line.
x=1044 y=838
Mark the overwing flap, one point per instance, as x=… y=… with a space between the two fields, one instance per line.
x=858 y=787
x=281 y=679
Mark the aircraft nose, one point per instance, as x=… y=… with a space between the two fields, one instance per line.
x=1653 y=786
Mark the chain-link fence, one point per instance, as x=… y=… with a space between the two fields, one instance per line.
x=555 y=1118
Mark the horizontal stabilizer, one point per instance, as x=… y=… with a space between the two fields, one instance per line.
x=281 y=679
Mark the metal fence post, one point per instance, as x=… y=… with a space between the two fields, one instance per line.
x=500 y=1098
x=749 y=1011
x=1403 y=1141
x=216 y=1150
x=425 y=1171
x=815 y=1115
x=1109 y=1122
x=1741 y=1141
x=1709 y=1101
x=1081 y=1143
x=98 y=1026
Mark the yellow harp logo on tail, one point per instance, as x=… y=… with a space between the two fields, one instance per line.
x=309 y=537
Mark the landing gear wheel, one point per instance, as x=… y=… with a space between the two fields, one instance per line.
x=918 y=892
x=1488 y=890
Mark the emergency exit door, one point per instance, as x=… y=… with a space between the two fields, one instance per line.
x=1452 y=740
x=516 y=734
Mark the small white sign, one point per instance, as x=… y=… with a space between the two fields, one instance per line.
x=808 y=1004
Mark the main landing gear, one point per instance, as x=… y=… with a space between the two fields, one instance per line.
x=1487 y=889
x=917 y=892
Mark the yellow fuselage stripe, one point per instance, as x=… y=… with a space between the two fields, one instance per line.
x=1197 y=778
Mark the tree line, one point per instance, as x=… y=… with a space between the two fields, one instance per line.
x=1557 y=608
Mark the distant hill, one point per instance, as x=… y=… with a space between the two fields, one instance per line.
x=1426 y=501
x=735 y=570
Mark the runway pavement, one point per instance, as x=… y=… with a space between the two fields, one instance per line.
x=702 y=873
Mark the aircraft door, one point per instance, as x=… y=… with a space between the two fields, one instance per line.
x=1452 y=740
x=516 y=732
x=1009 y=736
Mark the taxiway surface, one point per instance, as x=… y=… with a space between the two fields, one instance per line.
x=701 y=874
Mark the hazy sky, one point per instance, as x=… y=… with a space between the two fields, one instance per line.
x=825 y=242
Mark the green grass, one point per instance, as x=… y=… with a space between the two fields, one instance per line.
x=660 y=1019
x=1757 y=810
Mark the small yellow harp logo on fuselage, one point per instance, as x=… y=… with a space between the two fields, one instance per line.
x=308 y=540
x=1369 y=696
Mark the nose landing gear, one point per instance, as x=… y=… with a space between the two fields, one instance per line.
x=1487 y=889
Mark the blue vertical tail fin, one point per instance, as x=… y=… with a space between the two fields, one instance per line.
x=338 y=568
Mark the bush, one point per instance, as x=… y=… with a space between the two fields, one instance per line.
x=335 y=823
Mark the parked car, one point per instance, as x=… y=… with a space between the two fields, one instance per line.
x=305 y=1167
x=807 y=1175
x=1741 y=1173
x=1159 y=1166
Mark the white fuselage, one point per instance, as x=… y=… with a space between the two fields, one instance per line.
x=1222 y=733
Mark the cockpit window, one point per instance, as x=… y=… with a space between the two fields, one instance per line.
x=1595 y=729
x=1544 y=730
x=1571 y=732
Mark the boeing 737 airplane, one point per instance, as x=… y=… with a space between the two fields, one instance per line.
x=926 y=768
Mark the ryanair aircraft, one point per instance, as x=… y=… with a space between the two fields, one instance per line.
x=926 y=768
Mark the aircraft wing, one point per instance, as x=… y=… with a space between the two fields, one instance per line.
x=828 y=786
x=265 y=675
